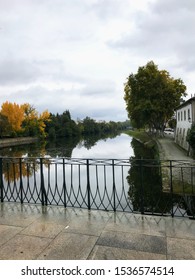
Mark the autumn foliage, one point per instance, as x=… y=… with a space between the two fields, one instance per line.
x=22 y=120
x=14 y=114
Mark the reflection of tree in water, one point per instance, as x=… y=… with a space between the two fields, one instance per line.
x=61 y=147
x=145 y=183
x=27 y=150
x=14 y=169
x=89 y=141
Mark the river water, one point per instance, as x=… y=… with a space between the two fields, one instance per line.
x=113 y=148
x=91 y=173
x=116 y=147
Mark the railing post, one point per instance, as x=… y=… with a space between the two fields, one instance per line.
x=114 y=186
x=142 y=188
x=43 y=192
x=21 y=182
x=171 y=187
x=1 y=179
x=88 y=186
x=64 y=182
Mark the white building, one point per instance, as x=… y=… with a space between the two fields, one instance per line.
x=185 y=116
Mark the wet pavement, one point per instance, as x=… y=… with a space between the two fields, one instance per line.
x=56 y=233
x=169 y=150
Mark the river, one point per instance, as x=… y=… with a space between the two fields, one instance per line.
x=92 y=173
x=86 y=173
x=115 y=147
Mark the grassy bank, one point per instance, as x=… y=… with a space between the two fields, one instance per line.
x=143 y=137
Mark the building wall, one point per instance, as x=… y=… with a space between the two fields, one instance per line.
x=193 y=111
x=184 y=116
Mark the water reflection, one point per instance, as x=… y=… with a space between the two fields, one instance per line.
x=27 y=150
x=137 y=187
x=146 y=191
x=61 y=148
x=145 y=181
x=113 y=147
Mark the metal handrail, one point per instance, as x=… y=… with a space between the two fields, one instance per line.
x=147 y=186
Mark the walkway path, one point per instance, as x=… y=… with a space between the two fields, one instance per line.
x=58 y=233
x=169 y=150
x=182 y=171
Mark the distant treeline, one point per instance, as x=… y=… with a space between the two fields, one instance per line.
x=24 y=121
x=62 y=125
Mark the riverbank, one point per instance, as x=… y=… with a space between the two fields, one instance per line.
x=177 y=168
x=143 y=137
x=17 y=141
x=167 y=148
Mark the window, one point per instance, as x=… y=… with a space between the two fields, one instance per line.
x=185 y=115
x=189 y=117
x=178 y=116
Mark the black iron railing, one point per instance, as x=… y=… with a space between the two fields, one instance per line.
x=141 y=186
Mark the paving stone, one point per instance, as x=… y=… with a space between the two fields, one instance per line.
x=18 y=215
x=14 y=219
x=180 y=249
x=55 y=216
x=133 y=241
x=8 y=232
x=69 y=246
x=43 y=229
x=137 y=223
x=91 y=224
x=23 y=247
x=180 y=227
x=54 y=232
x=113 y=253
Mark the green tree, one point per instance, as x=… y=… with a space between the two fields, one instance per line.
x=90 y=126
x=151 y=96
x=61 y=125
x=191 y=138
x=30 y=122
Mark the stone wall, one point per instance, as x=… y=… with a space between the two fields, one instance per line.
x=17 y=141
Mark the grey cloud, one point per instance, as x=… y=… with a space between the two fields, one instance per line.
x=61 y=44
x=99 y=88
x=17 y=71
x=105 y=9
x=80 y=106
x=106 y=113
x=172 y=5
x=22 y=71
x=164 y=31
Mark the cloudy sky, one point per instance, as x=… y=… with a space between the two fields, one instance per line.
x=77 y=54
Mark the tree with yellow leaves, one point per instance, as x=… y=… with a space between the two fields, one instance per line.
x=34 y=123
x=24 y=119
x=14 y=114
